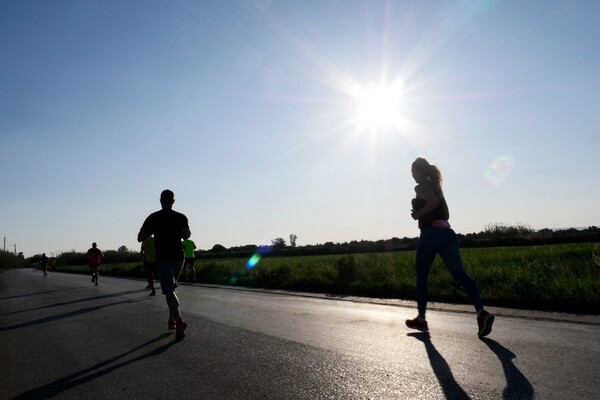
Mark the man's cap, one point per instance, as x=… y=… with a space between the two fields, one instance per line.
x=167 y=195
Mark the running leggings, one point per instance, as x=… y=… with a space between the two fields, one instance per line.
x=444 y=242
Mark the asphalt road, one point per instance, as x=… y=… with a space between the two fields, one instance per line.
x=62 y=337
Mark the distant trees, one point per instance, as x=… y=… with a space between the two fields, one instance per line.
x=278 y=243
x=494 y=235
x=121 y=255
x=522 y=235
x=219 y=248
x=9 y=260
x=248 y=247
x=500 y=230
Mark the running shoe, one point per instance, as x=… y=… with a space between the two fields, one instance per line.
x=179 y=331
x=484 y=322
x=418 y=325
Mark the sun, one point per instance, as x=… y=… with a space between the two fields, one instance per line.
x=379 y=107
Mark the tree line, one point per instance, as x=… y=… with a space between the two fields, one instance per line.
x=493 y=235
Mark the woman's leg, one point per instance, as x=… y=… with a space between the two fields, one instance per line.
x=426 y=252
x=451 y=256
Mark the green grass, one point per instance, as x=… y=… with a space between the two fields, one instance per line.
x=553 y=277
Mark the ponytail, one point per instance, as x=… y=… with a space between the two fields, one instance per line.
x=430 y=172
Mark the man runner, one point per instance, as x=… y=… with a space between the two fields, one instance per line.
x=44 y=263
x=168 y=227
x=94 y=256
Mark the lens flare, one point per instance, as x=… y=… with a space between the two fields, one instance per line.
x=499 y=171
x=253 y=261
x=256 y=257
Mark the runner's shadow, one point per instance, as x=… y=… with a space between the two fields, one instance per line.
x=65 y=303
x=517 y=385
x=104 y=368
x=57 y=317
x=39 y=293
x=450 y=387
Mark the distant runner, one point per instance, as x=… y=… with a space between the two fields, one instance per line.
x=188 y=253
x=94 y=256
x=44 y=263
x=149 y=260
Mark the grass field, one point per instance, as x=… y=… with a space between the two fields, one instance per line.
x=553 y=277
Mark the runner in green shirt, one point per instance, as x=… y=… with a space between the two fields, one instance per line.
x=188 y=253
x=149 y=259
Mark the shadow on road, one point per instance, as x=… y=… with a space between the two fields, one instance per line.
x=79 y=378
x=39 y=293
x=65 y=303
x=450 y=387
x=57 y=317
x=517 y=385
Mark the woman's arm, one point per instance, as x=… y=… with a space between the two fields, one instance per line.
x=426 y=193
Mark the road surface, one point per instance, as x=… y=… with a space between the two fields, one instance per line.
x=62 y=337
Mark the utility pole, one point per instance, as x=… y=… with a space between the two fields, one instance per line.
x=4 y=243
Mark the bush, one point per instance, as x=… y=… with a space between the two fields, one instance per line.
x=9 y=260
x=347 y=271
x=220 y=273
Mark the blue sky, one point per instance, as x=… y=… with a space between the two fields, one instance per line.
x=250 y=112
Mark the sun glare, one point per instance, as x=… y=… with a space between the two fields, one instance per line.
x=379 y=107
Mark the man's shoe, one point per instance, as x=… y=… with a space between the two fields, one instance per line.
x=484 y=322
x=418 y=325
x=179 y=331
x=171 y=324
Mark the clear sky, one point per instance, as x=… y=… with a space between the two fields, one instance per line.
x=271 y=118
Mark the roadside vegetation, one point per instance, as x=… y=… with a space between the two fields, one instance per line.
x=564 y=277
x=514 y=266
x=9 y=260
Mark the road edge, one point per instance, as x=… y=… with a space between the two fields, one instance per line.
x=555 y=316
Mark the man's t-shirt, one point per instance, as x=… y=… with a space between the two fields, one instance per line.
x=188 y=248
x=94 y=255
x=166 y=226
